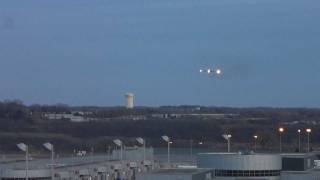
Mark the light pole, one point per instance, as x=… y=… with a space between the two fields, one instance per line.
x=49 y=147
x=23 y=147
x=91 y=154
x=142 y=142
x=119 y=143
x=228 y=138
x=109 y=153
x=299 y=140
x=255 y=142
x=167 y=139
x=308 y=132
x=281 y=130
x=191 y=149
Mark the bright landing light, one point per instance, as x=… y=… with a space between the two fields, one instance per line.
x=218 y=71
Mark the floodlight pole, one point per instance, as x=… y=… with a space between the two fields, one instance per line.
x=281 y=130
x=229 y=144
x=116 y=154
x=144 y=149
x=308 y=142
x=169 y=152
x=109 y=153
x=121 y=150
x=52 y=163
x=255 y=142
x=255 y=145
x=308 y=132
x=167 y=139
x=299 y=143
x=191 y=150
x=27 y=162
x=299 y=140
x=74 y=156
x=280 y=142
x=91 y=154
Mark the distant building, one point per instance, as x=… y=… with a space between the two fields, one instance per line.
x=129 y=100
x=60 y=116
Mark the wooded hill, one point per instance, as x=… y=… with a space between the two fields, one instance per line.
x=21 y=123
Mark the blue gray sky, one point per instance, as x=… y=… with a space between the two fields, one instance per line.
x=91 y=52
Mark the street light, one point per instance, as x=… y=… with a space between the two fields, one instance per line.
x=191 y=149
x=23 y=147
x=308 y=132
x=142 y=142
x=167 y=139
x=118 y=142
x=228 y=138
x=49 y=147
x=255 y=142
x=281 y=130
x=299 y=140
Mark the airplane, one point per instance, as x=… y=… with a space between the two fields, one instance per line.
x=212 y=71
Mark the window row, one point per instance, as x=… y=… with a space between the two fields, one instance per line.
x=246 y=173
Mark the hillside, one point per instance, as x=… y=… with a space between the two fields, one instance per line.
x=98 y=126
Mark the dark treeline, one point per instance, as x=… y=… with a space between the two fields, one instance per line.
x=19 y=122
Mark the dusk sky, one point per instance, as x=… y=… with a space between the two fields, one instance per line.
x=91 y=52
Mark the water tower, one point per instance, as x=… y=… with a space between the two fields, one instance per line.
x=129 y=100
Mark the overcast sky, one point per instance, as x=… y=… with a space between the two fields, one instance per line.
x=91 y=52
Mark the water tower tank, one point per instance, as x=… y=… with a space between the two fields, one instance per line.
x=129 y=100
